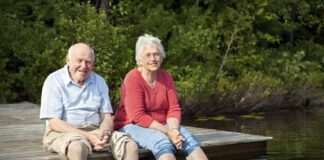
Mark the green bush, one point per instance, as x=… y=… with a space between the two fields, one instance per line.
x=267 y=50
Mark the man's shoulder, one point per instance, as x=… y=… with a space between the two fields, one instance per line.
x=97 y=77
x=58 y=74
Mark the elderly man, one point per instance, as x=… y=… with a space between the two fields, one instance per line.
x=76 y=106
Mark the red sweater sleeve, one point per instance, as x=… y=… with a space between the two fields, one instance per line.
x=134 y=102
x=174 y=107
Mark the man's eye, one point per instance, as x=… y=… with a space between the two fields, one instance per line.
x=88 y=62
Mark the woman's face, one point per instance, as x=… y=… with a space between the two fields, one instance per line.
x=151 y=58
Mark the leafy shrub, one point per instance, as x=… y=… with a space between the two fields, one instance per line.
x=271 y=52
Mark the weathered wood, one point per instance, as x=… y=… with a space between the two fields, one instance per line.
x=21 y=134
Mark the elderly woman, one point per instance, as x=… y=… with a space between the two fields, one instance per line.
x=149 y=110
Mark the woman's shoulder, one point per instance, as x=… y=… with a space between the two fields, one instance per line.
x=134 y=73
x=164 y=74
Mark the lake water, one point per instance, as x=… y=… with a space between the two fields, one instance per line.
x=297 y=135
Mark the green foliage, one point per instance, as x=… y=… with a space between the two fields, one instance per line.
x=37 y=43
x=251 y=91
x=273 y=47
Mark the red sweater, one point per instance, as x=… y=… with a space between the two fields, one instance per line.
x=140 y=104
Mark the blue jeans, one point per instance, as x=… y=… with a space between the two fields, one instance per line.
x=157 y=142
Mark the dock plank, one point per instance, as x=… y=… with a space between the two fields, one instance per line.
x=21 y=134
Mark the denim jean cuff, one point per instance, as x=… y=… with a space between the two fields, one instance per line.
x=163 y=151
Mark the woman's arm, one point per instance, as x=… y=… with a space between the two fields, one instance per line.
x=174 y=110
x=133 y=95
x=174 y=115
x=158 y=126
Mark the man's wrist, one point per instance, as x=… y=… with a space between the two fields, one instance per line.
x=107 y=132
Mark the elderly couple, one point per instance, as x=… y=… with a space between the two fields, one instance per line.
x=76 y=106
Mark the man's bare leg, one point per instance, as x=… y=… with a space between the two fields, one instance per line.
x=77 y=151
x=131 y=152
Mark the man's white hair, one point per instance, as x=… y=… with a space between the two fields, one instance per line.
x=144 y=41
x=70 y=51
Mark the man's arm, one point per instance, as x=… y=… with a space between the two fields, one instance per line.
x=105 y=129
x=59 y=125
x=106 y=122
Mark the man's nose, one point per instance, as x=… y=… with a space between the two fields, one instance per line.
x=83 y=64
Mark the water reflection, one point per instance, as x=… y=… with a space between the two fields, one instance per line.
x=297 y=135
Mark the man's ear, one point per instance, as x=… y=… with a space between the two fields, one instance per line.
x=67 y=59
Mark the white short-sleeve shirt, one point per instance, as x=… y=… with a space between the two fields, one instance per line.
x=74 y=104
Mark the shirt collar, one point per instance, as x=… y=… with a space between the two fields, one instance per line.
x=68 y=80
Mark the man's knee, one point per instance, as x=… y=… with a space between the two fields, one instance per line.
x=77 y=148
x=131 y=146
x=131 y=151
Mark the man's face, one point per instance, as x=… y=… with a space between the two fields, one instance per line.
x=80 y=63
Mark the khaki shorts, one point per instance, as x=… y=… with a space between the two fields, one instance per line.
x=58 y=142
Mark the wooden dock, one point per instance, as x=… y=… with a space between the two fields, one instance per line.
x=21 y=134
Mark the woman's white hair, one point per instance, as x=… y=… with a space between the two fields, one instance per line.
x=144 y=41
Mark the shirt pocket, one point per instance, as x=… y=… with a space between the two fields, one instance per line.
x=70 y=102
x=94 y=103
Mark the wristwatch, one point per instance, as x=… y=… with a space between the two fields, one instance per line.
x=107 y=132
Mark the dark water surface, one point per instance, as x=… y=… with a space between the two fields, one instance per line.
x=297 y=135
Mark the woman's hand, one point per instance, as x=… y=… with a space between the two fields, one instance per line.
x=175 y=137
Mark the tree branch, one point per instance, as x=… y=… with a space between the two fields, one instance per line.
x=230 y=43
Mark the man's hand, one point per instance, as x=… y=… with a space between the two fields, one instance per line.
x=175 y=137
x=99 y=142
